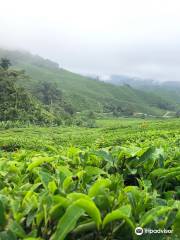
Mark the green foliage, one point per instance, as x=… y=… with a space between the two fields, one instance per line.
x=51 y=96
x=54 y=192
x=94 y=180
x=68 y=222
x=16 y=103
x=82 y=93
x=123 y=213
x=5 y=63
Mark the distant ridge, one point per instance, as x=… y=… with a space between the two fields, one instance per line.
x=86 y=93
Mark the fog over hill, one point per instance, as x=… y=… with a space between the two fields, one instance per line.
x=139 y=82
x=170 y=90
x=137 y=38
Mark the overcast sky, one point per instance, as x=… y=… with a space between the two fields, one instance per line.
x=133 y=37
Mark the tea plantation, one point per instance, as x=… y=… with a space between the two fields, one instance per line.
x=78 y=183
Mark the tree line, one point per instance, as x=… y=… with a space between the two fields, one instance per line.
x=45 y=104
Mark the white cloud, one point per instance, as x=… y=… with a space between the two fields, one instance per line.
x=137 y=37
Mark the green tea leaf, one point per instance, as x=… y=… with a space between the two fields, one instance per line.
x=122 y=213
x=91 y=210
x=68 y=222
x=98 y=186
x=38 y=161
x=153 y=214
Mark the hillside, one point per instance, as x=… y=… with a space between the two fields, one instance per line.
x=84 y=93
x=169 y=90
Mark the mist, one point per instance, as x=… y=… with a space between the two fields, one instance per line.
x=133 y=37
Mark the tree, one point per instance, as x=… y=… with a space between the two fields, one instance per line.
x=52 y=97
x=48 y=93
x=5 y=63
x=16 y=103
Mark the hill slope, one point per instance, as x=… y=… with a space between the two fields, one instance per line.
x=85 y=93
x=169 y=90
